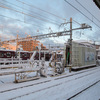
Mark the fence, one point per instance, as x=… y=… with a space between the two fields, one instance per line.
x=12 y=62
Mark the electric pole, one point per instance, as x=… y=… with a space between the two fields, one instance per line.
x=70 y=44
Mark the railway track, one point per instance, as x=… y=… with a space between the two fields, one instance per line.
x=48 y=86
x=83 y=90
x=56 y=78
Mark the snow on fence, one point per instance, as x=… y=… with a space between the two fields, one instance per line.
x=12 y=62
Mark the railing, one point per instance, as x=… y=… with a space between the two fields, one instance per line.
x=12 y=62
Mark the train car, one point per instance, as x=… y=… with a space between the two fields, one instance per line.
x=47 y=55
x=7 y=53
x=83 y=54
x=24 y=55
x=43 y=54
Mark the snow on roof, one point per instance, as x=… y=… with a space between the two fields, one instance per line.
x=83 y=42
x=4 y=49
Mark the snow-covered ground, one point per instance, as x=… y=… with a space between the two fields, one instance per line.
x=92 y=93
x=53 y=88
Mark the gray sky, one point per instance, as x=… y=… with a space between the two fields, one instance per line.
x=37 y=19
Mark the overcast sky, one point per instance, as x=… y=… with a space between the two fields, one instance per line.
x=44 y=15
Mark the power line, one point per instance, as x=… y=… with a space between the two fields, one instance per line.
x=26 y=14
x=87 y=10
x=76 y=22
x=29 y=15
x=28 y=10
x=40 y=9
x=82 y=13
x=34 y=12
x=21 y=21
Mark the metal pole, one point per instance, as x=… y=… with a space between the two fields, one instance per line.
x=70 y=44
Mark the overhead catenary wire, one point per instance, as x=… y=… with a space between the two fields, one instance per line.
x=24 y=22
x=41 y=28
x=29 y=10
x=76 y=22
x=87 y=10
x=45 y=11
x=40 y=9
x=18 y=11
x=33 y=24
x=2 y=6
x=82 y=13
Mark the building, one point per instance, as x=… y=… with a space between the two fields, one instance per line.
x=30 y=44
x=27 y=44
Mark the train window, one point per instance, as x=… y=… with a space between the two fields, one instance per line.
x=28 y=55
x=8 y=54
x=1 y=54
x=98 y=57
x=17 y=53
x=25 y=55
x=21 y=55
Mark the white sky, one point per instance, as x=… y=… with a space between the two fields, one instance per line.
x=41 y=20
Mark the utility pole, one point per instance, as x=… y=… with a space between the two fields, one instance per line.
x=70 y=44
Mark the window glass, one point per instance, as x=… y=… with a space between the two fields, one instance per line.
x=1 y=54
x=8 y=54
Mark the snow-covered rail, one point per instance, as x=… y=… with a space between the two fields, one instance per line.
x=72 y=97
